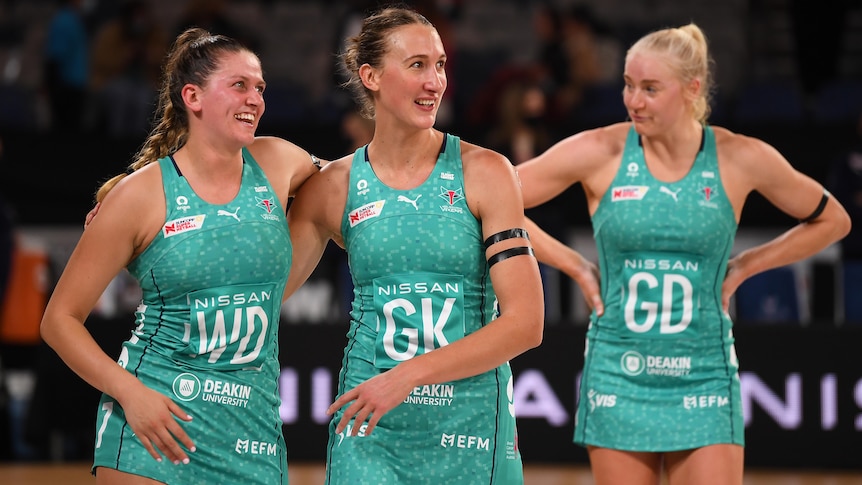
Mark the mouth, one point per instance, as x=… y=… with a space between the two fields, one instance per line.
x=247 y=118
x=426 y=103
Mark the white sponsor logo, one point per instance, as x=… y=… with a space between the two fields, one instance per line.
x=402 y=198
x=672 y=193
x=182 y=203
x=362 y=187
x=633 y=363
x=432 y=395
x=598 y=400
x=661 y=264
x=251 y=447
x=349 y=429
x=222 y=212
x=465 y=441
x=694 y=402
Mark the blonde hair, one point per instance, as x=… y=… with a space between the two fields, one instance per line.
x=688 y=55
x=192 y=58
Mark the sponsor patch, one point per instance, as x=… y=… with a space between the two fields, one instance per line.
x=183 y=224
x=367 y=211
x=628 y=192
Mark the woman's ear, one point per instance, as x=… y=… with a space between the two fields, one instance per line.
x=369 y=77
x=191 y=97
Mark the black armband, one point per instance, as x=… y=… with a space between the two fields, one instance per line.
x=508 y=253
x=507 y=234
x=315 y=161
x=819 y=209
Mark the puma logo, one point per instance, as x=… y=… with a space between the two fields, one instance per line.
x=669 y=192
x=222 y=212
x=402 y=198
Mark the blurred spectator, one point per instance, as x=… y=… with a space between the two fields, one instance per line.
x=845 y=183
x=127 y=56
x=568 y=56
x=23 y=274
x=522 y=131
x=6 y=240
x=66 y=66
x=213 y=16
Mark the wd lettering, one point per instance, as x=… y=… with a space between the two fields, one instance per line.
x=231 y=327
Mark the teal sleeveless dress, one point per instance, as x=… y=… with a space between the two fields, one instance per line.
x=660 y=371
x=213 y=281
x=421 y=282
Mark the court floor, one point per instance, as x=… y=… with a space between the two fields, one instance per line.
x=313 y=474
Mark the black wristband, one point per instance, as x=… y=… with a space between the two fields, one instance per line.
x=819 y=209
x=507 y=234
x=508 y=253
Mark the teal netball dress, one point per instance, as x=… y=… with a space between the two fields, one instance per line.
x=660 y=371
x=421 y=282
x=206 y=335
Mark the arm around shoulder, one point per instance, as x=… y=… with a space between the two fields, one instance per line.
x=286 y=164
x=314 y=219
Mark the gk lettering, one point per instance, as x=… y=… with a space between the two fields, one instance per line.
x=432 y=330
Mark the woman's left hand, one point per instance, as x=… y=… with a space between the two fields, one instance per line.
x=370 y=401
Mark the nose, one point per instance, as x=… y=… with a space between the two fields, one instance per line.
x=633 y=98
x=436 y=81
x=255 y=98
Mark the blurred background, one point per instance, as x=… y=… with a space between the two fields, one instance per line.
x=78 y=80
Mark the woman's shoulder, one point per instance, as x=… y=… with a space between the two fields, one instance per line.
x=272 y=149
x=737 y=144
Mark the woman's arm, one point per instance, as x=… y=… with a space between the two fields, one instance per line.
x=129 y=217
x=750 y=164
x=287 y=166
x=314 y=219
x=552 y=252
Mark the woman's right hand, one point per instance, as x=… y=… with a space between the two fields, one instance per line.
x=152 y=416
x=586 y=275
